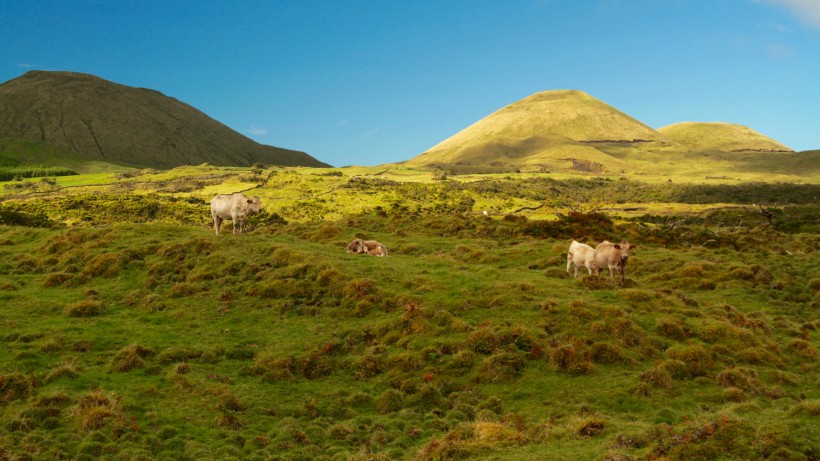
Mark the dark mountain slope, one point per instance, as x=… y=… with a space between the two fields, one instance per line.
x=102 y=120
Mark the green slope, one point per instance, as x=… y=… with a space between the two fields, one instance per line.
x=722 y=137
x=105 y=121
x=547 y=125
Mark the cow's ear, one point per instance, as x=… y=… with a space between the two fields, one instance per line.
x=618 y=246
x=632 y=247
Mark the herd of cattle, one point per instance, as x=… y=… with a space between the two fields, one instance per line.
x=606 y=255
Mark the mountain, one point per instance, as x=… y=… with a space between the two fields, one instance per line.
x=105 y=121
x=721 y=137
x=551 y=129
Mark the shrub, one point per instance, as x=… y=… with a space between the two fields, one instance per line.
x=84 y=308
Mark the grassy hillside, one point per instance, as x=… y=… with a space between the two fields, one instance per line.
x=548 y=126
x=724 y=137
x=24 y=156
x=158 y=341
x=135 y=333
x=104 y=121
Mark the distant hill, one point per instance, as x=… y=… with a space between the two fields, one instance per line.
x=563 y=129
x=104 y=121
x=721 y=137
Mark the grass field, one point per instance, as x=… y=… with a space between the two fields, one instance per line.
x=130 y=331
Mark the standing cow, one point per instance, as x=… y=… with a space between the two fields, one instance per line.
x=613 y=257
x=581 y=254
x=235 y=207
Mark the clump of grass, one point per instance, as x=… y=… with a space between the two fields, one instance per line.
x=361 y=289
x=802 y=348
x=573 y=357
x=389 y=401
x=96 y=410
x=66 y=368
x=597 y=283
x=500 y=367
x=591 y=426
x=741 y=378
x=671 y=328
x=634 y=296
x=605 y=353
x=482 y=341
x=695 y=358
x=658 y=377
x=84 y=308
x=15 y=385
x=56 y=279
x=130 y=357
x=228 y=420
x=179 y=289
x=104 y=265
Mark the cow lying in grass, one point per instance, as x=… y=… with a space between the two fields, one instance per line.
x=235 y=207
x=370 y=247
x=581 y=254
x=613 y=257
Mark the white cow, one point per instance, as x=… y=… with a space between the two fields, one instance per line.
x=234 y=207
x=370 y=247
x=581 y=254
x=613 y=257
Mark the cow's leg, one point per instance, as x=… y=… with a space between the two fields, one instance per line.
x=217 y=223
x=569 y=261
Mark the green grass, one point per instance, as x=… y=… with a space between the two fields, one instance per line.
x=468 y=341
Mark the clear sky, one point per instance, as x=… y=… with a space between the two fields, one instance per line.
x=366 y=82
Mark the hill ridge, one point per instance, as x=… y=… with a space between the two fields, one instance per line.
x=549 y=125
x=103 y=120
x=721 y=136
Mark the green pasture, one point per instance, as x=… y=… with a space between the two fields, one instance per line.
x=163 y=341
x=128 y=330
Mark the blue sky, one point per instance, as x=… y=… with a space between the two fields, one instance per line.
x=366 y=82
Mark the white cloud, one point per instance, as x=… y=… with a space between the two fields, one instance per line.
x=23 y=65
x=807 y=11
x=257 y=130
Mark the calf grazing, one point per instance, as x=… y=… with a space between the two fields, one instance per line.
x=581 y=254
x=613 y=257
x=370 y=247
x=235 y=207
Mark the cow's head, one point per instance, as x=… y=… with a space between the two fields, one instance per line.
x=254 y=205
x=356 y=246
x=623 y=248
